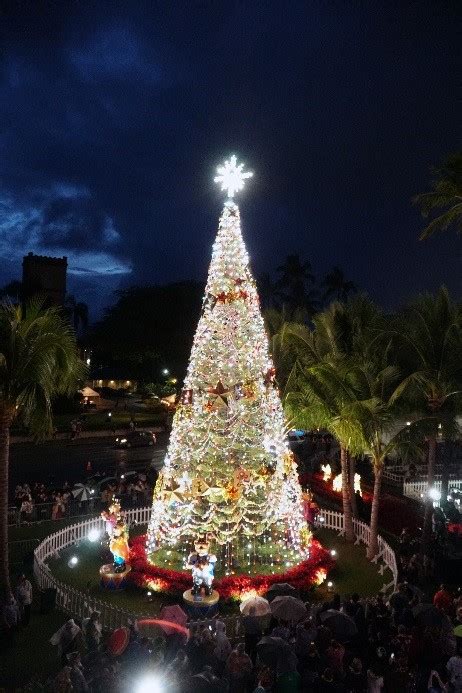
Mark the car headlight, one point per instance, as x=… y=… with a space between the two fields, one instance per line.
x=123 y=440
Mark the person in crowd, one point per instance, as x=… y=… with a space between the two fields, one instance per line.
x=205 y=681
x=68 y=638
x=239 y=669
x=454 y=669
x=356 y=677
x=92 y=631
x=222 y=648
x=76 y=674
x=195 y=651
x=24 y=598
x=327 y=682
x=10 y=619
x=399 y=600
x=178 y=670
x=443 y=599
x=26 y=509
x=252 y=632
x=375 y=681
x=334 y=656
x=58 y=507
x=62 y=682
x=435 y=684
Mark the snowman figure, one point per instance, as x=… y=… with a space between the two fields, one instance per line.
x=202 y=564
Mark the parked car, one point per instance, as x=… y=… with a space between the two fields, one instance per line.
x=136 y=439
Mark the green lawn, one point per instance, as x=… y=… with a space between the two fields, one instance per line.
x=352 y=573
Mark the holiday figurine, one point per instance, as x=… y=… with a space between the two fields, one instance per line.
x=118 y=546
x=111 y=516
x=202 y=564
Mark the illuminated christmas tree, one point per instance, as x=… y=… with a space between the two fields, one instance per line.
x=228 y=471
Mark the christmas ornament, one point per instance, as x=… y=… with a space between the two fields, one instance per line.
x=186 y=397
x=229 y=435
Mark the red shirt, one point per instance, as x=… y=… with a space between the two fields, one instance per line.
x=443 y=600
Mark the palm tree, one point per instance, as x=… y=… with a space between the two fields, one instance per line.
x=297 y=284
x=268 y=292
x=12 y=291
x=379 y=389
x=320 y=396
x=38 y=359
x=445 y=199
x=318 y=393
x=77 y=313
x=431 y=336
x=336 y=285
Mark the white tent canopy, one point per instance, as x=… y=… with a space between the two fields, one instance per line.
x=88 y=392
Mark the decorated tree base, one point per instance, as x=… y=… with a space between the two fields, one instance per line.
x=303 y=576
x=111 y=580
x=201 y=599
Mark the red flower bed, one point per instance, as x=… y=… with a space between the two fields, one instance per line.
x=395 y=512
x=302 y=576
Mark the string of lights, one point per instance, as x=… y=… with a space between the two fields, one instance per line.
x=229 y=472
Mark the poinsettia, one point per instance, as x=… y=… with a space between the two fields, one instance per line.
x=303 y=576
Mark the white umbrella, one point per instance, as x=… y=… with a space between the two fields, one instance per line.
x=81 y=492
x=288 y=608
x=261 y=606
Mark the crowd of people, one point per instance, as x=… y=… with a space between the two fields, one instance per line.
x=400 y=647
x=40 y=501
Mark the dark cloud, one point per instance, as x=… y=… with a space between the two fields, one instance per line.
x=114 y=116
x=74 y=223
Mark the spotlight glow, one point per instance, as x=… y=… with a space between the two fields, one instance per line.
x=93 y=535
x=73 y=561
x=434 y=494
x=151 y=683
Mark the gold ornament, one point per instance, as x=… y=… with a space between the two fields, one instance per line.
x=214 y=493
x=233 y=491
x=288 y=462
x=249 y=390
x=241 y=475
x=198 y=487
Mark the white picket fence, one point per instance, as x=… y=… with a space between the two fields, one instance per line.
x=79 y=604
x=385 y=558
x=418 y=488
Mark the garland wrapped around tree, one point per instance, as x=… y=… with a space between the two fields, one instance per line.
x=229 y=472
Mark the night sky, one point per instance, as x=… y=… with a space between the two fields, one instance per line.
x=115 y=115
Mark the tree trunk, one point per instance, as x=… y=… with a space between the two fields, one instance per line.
x=5 y=423
x=427 y=528
x=447 y=456
x=347 y=515
x=351 y=478
x=373 y=548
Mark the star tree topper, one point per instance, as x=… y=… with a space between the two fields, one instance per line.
x=231 y=176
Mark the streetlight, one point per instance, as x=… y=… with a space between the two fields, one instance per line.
x=165 y=371
x=434 y=494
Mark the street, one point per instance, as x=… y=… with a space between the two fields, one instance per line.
x=54 y=462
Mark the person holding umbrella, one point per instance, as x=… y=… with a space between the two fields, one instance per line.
x=252 y=632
